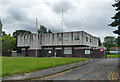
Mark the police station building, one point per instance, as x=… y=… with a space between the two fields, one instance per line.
x=63 y=44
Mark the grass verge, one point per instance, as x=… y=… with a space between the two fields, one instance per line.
x=113 y=56
x=21 y=65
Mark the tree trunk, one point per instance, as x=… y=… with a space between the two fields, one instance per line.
x=118 y=40
x=119 y=36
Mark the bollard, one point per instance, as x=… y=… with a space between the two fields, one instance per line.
x=83 y=61
x=67 y=64
x=53 y=67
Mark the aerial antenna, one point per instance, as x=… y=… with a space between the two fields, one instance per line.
x=36 y=26
x=36 y=33
x=62 y=20
x=62 y=30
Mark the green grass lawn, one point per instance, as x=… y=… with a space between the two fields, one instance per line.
x=20 y=65
x=113 y=56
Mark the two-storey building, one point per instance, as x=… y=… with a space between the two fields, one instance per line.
x=63 y=44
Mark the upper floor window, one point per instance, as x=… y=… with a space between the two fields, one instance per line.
x=47 y=38
x=26 y=40
x=21 y=39
x=90 y=40
x=76 y=38
x=86 y=39
x=60 y=38
x=66 y=38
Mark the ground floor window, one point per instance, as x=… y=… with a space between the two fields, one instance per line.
x=68 y=51
x=87 y=51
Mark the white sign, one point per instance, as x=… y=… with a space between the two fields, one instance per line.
x=49 y=52
x=87 y=51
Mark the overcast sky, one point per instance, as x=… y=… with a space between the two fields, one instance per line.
x=92 y=16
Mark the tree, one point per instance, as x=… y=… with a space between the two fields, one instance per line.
x=99 y=42
x=20 y=32
x=3 y=34
x=110 y=41
x=0 y=27
x=15 y=34
x=42 y=29
x=116 y=22
x=49 y=31
x=8 y=44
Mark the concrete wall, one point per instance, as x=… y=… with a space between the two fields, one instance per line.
x=35 y=41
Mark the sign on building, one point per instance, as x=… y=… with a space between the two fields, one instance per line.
x=49 y=52
x=101 y=49
x=87 y=51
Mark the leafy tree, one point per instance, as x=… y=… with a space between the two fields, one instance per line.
x=99 y=42
x=116 y=22
x=20 y=32
x=42 y=29
x=3 y=33
x=8 y=44
x=49 y=31
x=15 y=34
x=109 y=41
x=0 y=27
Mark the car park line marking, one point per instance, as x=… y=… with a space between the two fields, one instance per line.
x=113 y=76
x=54 y=75
x=109 y=76
x=116 y=76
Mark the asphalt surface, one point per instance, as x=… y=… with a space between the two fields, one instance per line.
x=99 y=70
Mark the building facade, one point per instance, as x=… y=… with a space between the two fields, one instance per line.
x=64 y=44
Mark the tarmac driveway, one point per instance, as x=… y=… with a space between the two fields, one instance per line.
x=99 y=70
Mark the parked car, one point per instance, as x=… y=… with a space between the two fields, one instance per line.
x=114 y=50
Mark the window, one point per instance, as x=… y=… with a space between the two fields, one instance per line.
x=60 y=38
x=66 y=38
x=68 y=51
x=76 y=38
x=47 y=39
x=90 y=40
x=21 y=39
x=86 y=39
x=26 y=40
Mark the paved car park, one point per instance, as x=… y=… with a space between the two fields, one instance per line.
x=104 y=69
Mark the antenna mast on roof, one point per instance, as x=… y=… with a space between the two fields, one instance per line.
x=36 y=33
x=62 y=33
x=62 y=20
x=36 y=26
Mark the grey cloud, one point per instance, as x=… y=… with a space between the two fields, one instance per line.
x=17 y=18
x=94 y=22
x=57 y=7
x=18 y=13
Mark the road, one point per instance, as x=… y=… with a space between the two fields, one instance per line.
x=103 y=69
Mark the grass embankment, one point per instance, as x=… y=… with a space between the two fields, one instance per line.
x=113 y=56
x=20 y=65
